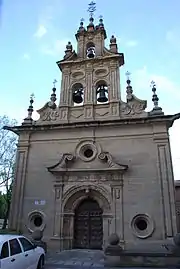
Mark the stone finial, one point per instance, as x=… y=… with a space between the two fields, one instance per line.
x=101 y=24
x=113 y=39
x=156 y=109
x=113 y=239
x=129 y=89
x=81 y=27
x=68 y=50
x=53 y=98
x=30 y=110
x=113 y=44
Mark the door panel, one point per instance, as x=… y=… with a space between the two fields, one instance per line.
x=88 y=227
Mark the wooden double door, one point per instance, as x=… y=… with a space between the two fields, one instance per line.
x=88 y=225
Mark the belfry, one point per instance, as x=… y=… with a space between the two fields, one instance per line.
x=94 y=165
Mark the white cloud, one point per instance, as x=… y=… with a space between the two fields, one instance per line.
x=26 y=56
x=169 y=98
x=165 y=87
x=173 y=38
x=56 y=48
x=41 y=31
x=131 y=43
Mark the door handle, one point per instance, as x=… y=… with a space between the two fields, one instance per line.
x=13 y=260
x=26 y=255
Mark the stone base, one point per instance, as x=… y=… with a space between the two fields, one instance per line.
x=115 y=257
x=141 y=260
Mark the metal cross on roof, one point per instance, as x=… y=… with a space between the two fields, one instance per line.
x=32 y=96
x=153 y=84
x=91 y=8
x=128 y=74
x=54 y=82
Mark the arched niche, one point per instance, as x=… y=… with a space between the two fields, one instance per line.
x=90 y=50
x=102 y=95
x=77 y=94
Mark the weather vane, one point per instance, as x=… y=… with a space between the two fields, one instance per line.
x=54 y=83
x=91 y=8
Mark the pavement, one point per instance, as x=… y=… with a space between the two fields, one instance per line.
x=77 y=259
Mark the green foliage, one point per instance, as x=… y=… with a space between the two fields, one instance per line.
x=8 y=231
x=3 y=205
x=8 y=141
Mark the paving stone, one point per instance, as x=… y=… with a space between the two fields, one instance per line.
x=87 y=263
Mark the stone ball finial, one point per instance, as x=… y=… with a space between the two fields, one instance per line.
x=114 y=239
x=37 y=235
x=177 y=239
x=113 y=40
x=69 y=46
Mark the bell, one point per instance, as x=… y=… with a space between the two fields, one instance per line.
x=77 y=97
x=90 y=53
x=102 y=95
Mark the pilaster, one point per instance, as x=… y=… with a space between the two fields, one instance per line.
x=18 y=187
x=165 y=174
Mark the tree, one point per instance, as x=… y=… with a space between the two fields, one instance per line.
x=8 y=141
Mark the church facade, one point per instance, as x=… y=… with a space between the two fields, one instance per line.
x=94 y=165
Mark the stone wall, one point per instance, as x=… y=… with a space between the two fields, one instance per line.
x=177 y=201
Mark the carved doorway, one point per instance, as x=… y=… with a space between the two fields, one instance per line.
x=88 y=225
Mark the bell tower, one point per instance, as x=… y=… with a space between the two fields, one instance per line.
x=90 y=88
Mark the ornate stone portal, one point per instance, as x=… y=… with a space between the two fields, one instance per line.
x=72 y=186
x=94 y=163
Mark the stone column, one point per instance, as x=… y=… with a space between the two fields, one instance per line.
x=65 y=90
x=88 y=94
x=68 y=230
x=117 y=197
x=18 y=186
x=107 y=218
x=65 y=96
x=114 y=92
x=58 y=191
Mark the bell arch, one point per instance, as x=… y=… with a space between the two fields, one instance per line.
x=77 y=93
x=90 y=50
x=102 y=94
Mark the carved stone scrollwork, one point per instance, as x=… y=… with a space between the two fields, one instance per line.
x=132 y=108
x=50 y=115
x=106 y=157
x=67 y=157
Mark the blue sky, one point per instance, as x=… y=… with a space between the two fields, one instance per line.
x=33 y=35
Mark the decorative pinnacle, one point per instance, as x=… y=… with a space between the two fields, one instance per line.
x=129 y=89
x=52 y=103
x=30 y=108
x=91 y=8
x=155 y=98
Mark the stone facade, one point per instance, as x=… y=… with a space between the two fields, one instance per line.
x=114 y=153
x=177 y=202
